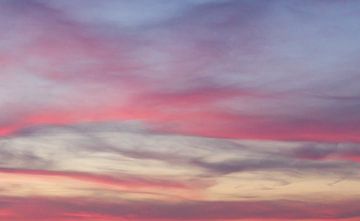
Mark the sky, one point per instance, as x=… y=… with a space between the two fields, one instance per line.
x=169 y=110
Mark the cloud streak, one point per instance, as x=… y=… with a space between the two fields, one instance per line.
x=100 y=179
x=82 y=209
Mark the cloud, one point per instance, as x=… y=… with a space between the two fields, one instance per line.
x=101 y=179
x=174 y=73
x=284 y=165
x=347 y=152
x=82 y=209
x=199 y=95
x=133 y=142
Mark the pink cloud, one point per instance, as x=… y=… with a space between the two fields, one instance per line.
x=100 y=76
x=45 y=209
x=102 y=180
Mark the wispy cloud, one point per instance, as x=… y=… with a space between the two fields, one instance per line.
x=83 y=209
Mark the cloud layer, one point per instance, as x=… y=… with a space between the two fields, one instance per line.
x=184 y=110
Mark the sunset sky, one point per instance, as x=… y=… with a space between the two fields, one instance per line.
x=172 y=110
